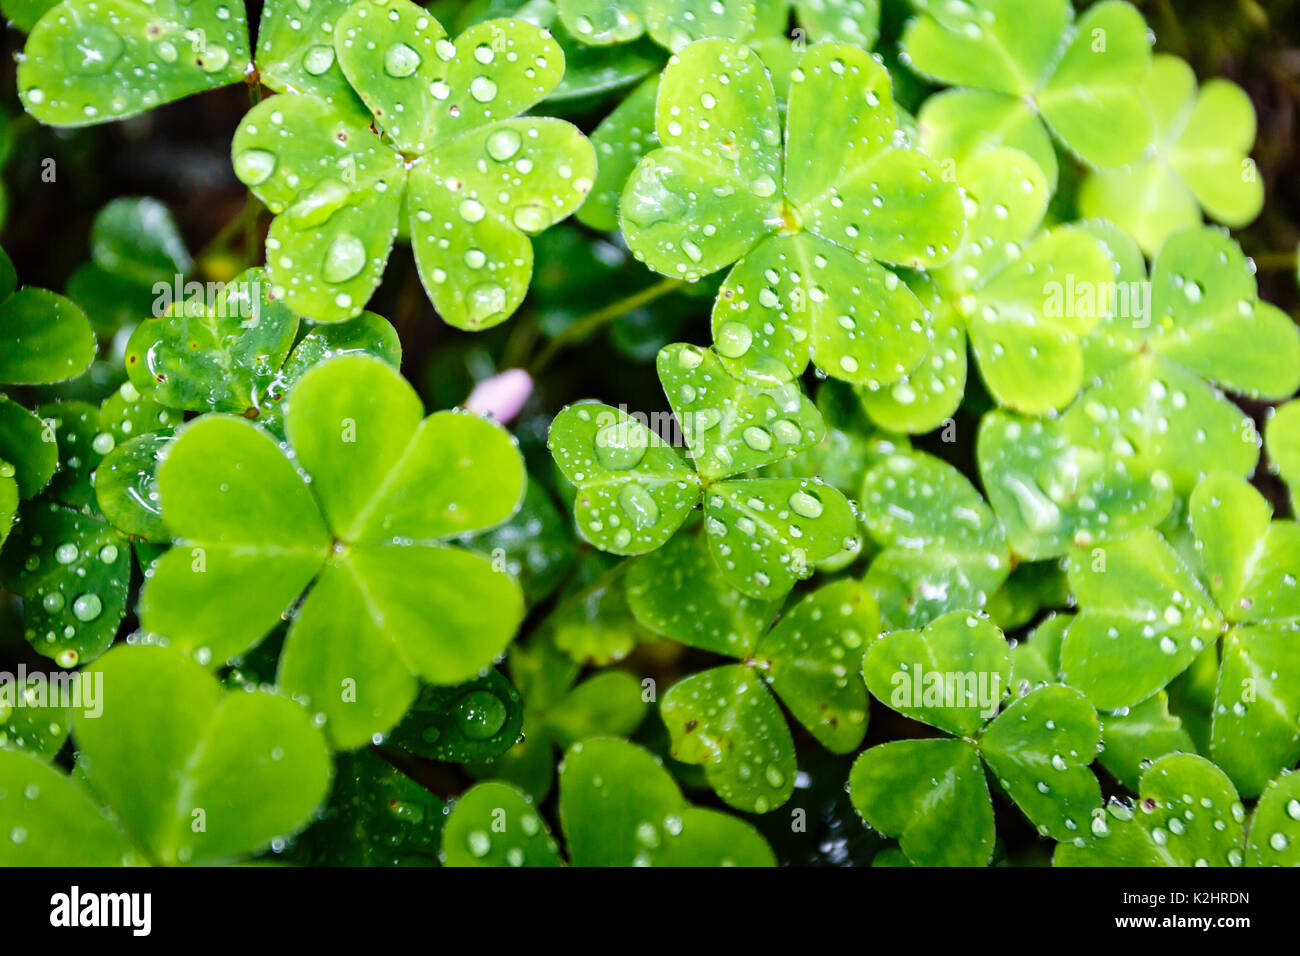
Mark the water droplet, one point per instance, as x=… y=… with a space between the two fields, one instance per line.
x=214 y=59
x=480 y=715
x=318 y=59
x=400 y=60
x=733 y=339
x=803 y=503
x=345 y=258
x=87 y=607
x=483 y=89
x=621 y=446
x=102 y=443
x=638 y=505
x=66 y=553
x=756 y=438
x=503 y=144
x=532 y=218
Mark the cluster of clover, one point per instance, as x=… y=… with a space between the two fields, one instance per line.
x=325 y=567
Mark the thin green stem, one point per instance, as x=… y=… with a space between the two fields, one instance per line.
x=589 y=323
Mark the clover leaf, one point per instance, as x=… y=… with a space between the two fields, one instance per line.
x=1282 y=439
x=477 y=182
x=931 y=794
x=1056 y=484
x=33 y=719
x=1132 y=737
x=474 y=721
x=676 y=23
x=89 y=61
x=1026 y=64
x=389 y=602
x=1146 y=613
x=72 y=570
x=726 y=718
x=243 y=352
x=44 y=337
x=942 y=548
x=559 y=711
x=1189 y=814
x=1158 y=362
x=1200 y=160
x=591 y=622
x=376 y=816
x=618 y=807
x=808 y=225
x=200 y=775
x=670 y=23
x=635 y=491
x=998 y=289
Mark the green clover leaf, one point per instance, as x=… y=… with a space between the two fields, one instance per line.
x=376 y=816
x=474 y=721
x=200 y=775
x=1026 y=64
x=679 y=591
x=44 y=337
x=559 y=712
x=808 y=226
x=243 y=352
x=1056 y=484
x=32 y=719
x=295 y=52
x=1200 y=161
x=931 y=795
x=672 y=24
x=126 y=486
x=366 y=535
x=1158 y=362
x=1146 y=616
x=1282 y=439
x=726 y=718
x=618 y=807
x=72 y=570
x=635 y=491
x=621 y=139
x=1006 y=287
x=477 y=183
x=1189 y=814
x=942 y=548
x=952 y=675
x=86 y=60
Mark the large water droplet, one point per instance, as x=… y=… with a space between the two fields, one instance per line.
x=400 y=60
x=621 y=446
x=803 y=503
x=345 y=258
x=318 y=59
x=87 y=607
x=638 y=505
x=480 y=715
x=503 y=144
x=733 y=339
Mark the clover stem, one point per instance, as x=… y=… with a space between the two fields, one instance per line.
x=245 y=223
x=585 y=325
